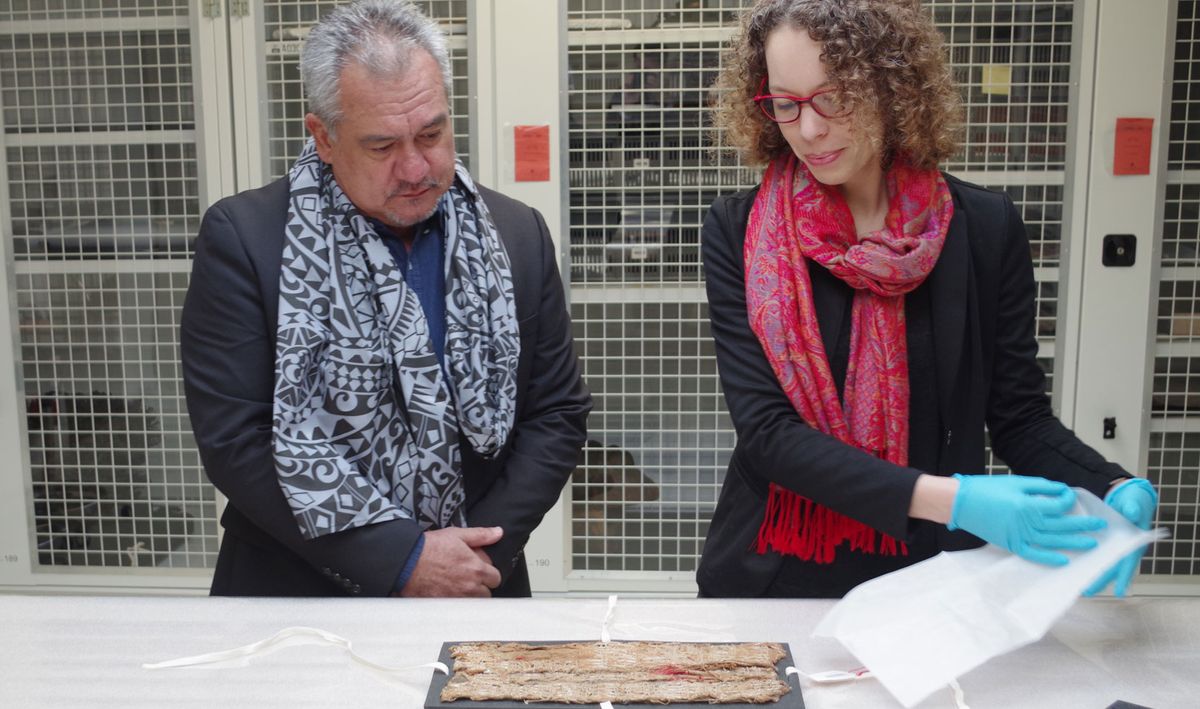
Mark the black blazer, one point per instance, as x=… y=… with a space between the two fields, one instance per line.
x=982 y=292
x=228 y=349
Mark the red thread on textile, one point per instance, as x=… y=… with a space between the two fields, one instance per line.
x=676 y=671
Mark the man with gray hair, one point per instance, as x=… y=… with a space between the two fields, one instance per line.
x=376 y=350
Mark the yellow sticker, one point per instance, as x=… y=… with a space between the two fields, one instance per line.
x=997 y=79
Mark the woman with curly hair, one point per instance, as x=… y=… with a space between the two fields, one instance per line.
x=871 y=315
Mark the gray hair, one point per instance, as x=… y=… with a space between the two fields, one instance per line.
x=378 y=34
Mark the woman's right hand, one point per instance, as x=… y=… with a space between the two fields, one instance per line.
x=1025 y=515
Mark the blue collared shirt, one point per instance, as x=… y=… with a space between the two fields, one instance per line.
x=423 y=268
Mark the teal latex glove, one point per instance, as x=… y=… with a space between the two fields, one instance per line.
x=1027 y=516
x=1136 y=500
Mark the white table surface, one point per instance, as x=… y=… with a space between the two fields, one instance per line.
x=72 y=651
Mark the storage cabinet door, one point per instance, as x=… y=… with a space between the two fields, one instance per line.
x=1169 y=452
x=103 y=187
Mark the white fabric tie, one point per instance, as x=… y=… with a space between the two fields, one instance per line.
x=604 y=635
x=612 y=605
x=830 y=676
x=296 y=635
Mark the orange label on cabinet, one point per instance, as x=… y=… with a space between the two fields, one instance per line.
x=531 y=150
x=1131 y=147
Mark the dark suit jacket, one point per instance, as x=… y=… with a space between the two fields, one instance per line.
x=228 y=348
x=982 y=293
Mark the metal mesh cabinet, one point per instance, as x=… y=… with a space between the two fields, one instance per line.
x=1174 y=430
x=109 y=161
x=640 y=181
x=102 y=188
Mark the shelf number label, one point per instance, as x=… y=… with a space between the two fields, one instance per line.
x=11 y=558
x=543 y=562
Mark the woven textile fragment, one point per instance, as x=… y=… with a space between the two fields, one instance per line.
x=619 y=672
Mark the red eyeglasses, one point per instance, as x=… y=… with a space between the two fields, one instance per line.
x=783 y=108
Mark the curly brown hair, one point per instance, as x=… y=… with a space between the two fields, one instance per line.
x=885 y=54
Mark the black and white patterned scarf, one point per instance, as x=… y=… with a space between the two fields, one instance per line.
x=366 y=426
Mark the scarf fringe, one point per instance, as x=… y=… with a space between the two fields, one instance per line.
x=797 y=526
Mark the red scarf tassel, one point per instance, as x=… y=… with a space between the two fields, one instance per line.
x=797 y=526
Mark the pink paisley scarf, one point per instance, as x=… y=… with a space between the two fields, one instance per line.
x=796 y=218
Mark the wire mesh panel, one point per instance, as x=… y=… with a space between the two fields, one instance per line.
x=116 y=480
x=1012 y=59
x=99 y=139
x=18 y=10
x=640 y=172
x=641 y=177
x=287 y=23
x=1174 y=434
x=90 y=201
x=661 y=438
x=1175 y=470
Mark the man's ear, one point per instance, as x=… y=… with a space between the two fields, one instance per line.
x=320 y=135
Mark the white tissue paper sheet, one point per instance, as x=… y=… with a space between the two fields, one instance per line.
x=919 y=628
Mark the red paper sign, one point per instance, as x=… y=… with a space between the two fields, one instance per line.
x=1131 y=147
x=531 y=149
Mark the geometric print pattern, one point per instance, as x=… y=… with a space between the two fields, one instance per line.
x=366 y=427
